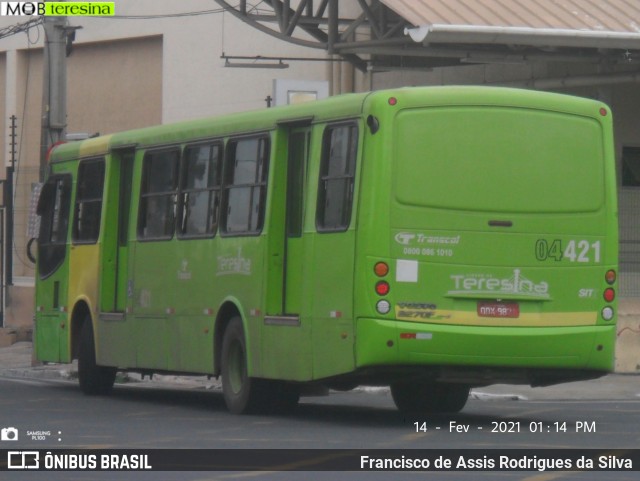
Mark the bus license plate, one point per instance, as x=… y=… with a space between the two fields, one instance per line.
x=498 y=309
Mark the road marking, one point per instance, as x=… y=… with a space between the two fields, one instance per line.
x=288 y=466
x=547 y=476
x=31 y=382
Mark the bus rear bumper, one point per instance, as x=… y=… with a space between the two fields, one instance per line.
x=534 y=353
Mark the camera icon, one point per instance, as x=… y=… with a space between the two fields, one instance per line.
x=9 y=434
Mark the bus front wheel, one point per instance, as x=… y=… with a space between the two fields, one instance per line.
x=429 y=397
x=94 y=379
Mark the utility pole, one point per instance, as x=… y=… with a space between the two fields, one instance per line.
x=54 y=91
x=8 y=203
x=6 y=233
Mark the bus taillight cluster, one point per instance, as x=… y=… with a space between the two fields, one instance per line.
x=382 y=288
x=609 y=294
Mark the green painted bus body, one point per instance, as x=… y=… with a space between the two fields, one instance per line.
x=494 y=210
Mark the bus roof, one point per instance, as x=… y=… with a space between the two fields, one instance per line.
x=343 y=106
x=333 y=108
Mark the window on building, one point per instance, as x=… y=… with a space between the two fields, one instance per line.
x=158 y=197
x=245 y=186
x=337 y=173
x=88 y=206
x=53 y=207
x=631 y=166
x=200 y=190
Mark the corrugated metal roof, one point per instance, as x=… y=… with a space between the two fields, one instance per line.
x=597 y=15
x=587 y=23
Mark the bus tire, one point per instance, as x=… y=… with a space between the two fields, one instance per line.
x=242 y=394
x=429 y=397
x=93 y=379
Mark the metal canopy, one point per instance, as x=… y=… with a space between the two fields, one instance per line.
x=380 y=35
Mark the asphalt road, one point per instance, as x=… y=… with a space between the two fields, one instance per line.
x=147 y=417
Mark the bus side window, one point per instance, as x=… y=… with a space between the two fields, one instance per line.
x=158 y=197
x=88 y=207
x=337 y=173
x=200 y=191
x=245 y=186
x=53 y=206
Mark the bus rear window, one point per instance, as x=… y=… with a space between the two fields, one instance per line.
x=492 y=159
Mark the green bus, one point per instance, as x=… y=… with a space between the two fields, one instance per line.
x=427 y=239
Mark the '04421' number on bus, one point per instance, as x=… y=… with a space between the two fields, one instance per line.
x=581 y=251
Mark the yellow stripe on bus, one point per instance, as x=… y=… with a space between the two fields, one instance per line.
x=97 y=146
x=466 y=318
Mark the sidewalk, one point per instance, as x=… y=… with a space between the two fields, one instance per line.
x=15 y=361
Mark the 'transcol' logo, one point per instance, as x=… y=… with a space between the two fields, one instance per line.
x=404 y=238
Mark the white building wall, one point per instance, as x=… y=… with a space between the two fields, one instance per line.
x=195 y=82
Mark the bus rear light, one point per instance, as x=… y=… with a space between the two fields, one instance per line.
x=603 y=112
x=607 y=313
x=382 y=288
x=381 y=269
x=610 y=277
x=407 y=335
x=383 y=307
x=609 y=294
x=393 y=101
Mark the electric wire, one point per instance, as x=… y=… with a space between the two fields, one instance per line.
x=163 y=15
x=20 y=27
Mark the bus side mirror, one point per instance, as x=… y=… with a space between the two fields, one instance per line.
x=30 y=255
x=373 y=123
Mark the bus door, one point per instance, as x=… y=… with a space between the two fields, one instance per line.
x=286 y=335
x=333 y=247
x=115 y=253
x=298 y=152
x=53 y=269
x=113 y=329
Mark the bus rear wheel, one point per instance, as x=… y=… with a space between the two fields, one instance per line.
x=248 y=395
x=429 y=397
x=241 y=392
x=93 y=379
